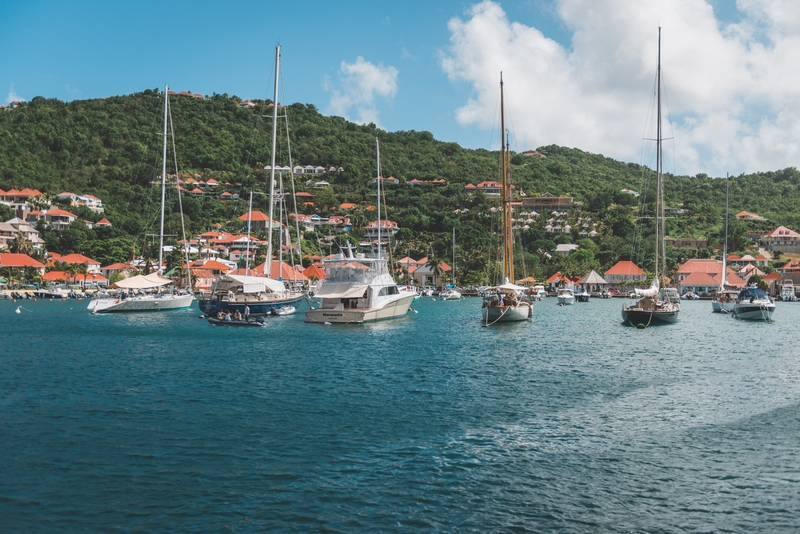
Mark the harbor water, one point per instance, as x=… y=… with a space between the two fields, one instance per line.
x=431 y=423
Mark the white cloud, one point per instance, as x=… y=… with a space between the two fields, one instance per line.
x=13 y=96
x=359 y=86
x=732 y=91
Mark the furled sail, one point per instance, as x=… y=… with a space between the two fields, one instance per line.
x=651 y=292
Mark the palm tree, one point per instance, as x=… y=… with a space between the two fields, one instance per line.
x=19 y=245
x=70 y=270
x=435 y=266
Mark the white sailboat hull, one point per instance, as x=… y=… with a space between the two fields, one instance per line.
x=392 y=309
x=141 y=304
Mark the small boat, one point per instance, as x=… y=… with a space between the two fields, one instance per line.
x=538 y=292
x=724 y=298
x=565 y=296
x=450 y=294
x=655 y=304
x=690 y=296
x=581 y=295
x=787 y=291
x=283 y=310
x=258 y=321
x=754 y=304
x=507 y=302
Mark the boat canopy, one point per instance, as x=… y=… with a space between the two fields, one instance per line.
x=249 y=284
x=143 y=281
x=341 y=291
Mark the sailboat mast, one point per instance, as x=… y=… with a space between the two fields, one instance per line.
x=249 y=221
x=378 y=152
x=454 y=256
x=659 y=176
x=507 y=259
x=268 y=263
x=159 y=270
x=725 y=245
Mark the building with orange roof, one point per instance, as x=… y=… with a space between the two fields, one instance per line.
x=624 y=271
x=20 y=262
x=346 y=206
x=58 y=218
x=215 y=267
x=108 y=270
x=258 y=220
x=781 y=239
x=93 y=266
x=85 y=280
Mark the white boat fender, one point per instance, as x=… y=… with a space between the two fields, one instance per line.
x=326 y=322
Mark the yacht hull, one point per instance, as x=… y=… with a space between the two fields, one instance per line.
x=642 y=317
x=257 y=307
x=507 y=314
x=141 y=304
x=754 y=312
x=566 y=300
x=395 y=308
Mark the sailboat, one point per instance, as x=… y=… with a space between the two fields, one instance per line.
x=261 y=294
x=144 y=292
x=358 y=289
x=656 y=304
x=507 y=302
x=724 y=299
x=451 y=293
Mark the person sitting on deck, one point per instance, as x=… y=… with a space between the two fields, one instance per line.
x=237 y=316
x=227 y=315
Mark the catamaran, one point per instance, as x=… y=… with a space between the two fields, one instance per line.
x=506 y=302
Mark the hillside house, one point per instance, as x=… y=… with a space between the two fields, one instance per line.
x=781 y=239
x=624 y=271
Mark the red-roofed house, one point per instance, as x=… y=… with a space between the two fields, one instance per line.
x=258 y=220
x=85 y=280
x=108 y=270
x=423 y=274
x=213 y=266
x=386 y=227
x=93 y=266
x=19 y=261
x=624 y=271
x=781 y=239
x=58 y=218
x=489 y=188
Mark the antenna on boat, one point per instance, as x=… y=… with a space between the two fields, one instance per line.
x=378 y=152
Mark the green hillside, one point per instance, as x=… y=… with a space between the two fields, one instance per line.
x=111 y=148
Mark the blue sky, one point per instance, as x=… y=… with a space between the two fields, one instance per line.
x=578 y=72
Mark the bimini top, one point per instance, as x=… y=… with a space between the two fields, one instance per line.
x=142 y=281
x=249 y=284
x=341 y=291
x=754 y=293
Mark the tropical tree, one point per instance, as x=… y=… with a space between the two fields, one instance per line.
x=434 y=264
x=19 y=245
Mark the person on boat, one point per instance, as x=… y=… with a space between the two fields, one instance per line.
x=246 y=312
x=220 y=315
x=227 y=315
x=237 y=316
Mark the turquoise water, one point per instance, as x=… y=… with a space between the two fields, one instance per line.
x=571 y=423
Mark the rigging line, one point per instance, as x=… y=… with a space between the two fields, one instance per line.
x=186 y=244
x=291 y=175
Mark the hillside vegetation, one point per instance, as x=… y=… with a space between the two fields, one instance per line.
x=111 y=148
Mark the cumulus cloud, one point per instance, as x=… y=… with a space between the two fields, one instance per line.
x=13 y=96
x=355 y=93
x=732 y=91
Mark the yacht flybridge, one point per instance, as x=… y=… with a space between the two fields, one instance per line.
x=359 y=289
